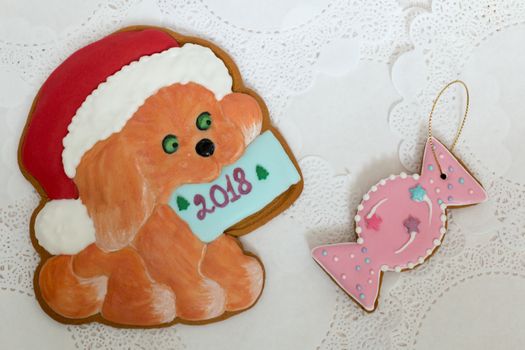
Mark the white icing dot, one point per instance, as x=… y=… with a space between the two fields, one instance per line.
x=410 y=265
x=443 y=206
x=392 y=177
x=357 y=218
x=382 y=182
x=366 y=197
x=415 y=176
x=360 y=207
x=352 y=256
x=336 y=258
x=403 y=175
x=421 y=260
x=370 y=281
x=438 y=190
x=374 y=188
x=443 y=230
x=398 y=268
x=437 y=242
x=431 y=181
x=343 y=276
x=443 y=218
x=360 y=240
x=429 y=251
x=441 y=156
x=358 y=229
x=471 y=191
x=384 y=267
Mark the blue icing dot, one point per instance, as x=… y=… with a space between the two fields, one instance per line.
x=361 y=296
x=450 y=186
x=367 y=260
x=364 y=250
x=440 y=201
x=450 y=169
x=430 y=167
x=324 y=253
x=357 y=267
x=461 y=180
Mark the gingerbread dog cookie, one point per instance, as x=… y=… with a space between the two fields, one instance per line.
x=151 y=156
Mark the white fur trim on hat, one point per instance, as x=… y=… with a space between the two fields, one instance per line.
x=108 y=108
x=63 y=226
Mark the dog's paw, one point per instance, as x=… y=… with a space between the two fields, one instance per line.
x=68 y=295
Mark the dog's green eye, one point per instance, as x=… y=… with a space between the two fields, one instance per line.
x=170 y=144
x=204 y=121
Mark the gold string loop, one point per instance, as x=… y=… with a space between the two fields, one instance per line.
x=467 y=104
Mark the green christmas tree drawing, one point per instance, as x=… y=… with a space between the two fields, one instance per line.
x=262 y=173
x=182 y=203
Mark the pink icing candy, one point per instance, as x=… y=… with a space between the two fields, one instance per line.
x=400 y=222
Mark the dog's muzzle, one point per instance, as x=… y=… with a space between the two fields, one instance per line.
x=205 y=148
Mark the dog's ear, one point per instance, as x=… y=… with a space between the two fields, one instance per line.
x=244 y=111
x=115 y=193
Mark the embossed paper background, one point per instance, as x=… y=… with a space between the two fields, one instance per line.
x=350 y=85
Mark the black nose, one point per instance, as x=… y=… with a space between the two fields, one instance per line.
x=205 y=148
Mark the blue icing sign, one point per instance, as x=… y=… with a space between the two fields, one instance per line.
x=242 y=189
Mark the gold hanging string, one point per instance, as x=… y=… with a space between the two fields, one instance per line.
x=467 y=103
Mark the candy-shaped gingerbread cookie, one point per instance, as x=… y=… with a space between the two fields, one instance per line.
x=400 y=222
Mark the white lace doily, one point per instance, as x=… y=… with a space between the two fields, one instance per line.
x=350 y=84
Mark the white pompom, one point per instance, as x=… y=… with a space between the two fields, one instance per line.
x=63 y=226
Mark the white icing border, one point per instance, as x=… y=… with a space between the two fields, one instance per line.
x=421 y=259
x=107 y=109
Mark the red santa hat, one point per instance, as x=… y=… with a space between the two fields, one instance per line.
x=90 y=96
